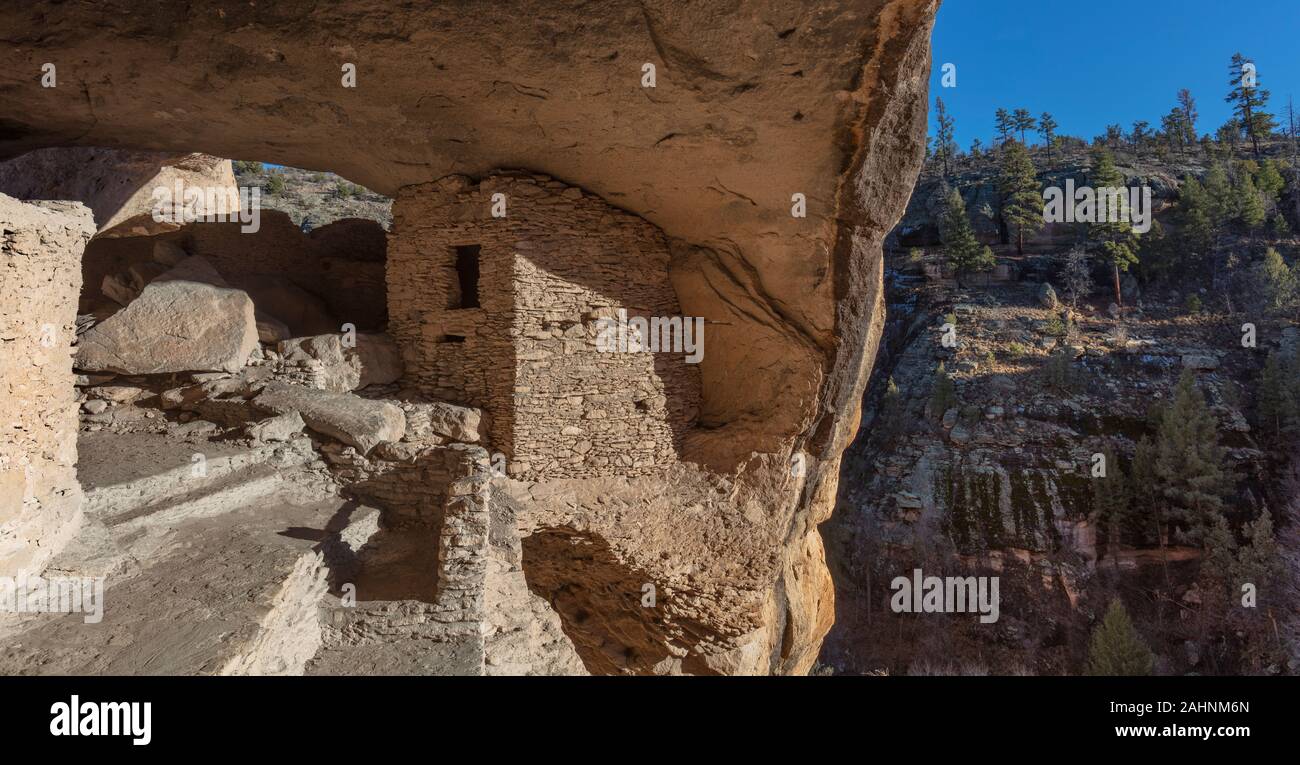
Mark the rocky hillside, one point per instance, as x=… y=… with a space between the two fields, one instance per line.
x=986 y=409
x=313 y=198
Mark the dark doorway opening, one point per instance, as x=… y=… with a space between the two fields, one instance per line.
x=467 y=275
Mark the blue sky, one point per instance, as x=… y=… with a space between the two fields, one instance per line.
x=1107 y=61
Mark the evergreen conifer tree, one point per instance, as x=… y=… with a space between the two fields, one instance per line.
x=1022 y=200
x=1022 y=121
x=1113 y=239
x=1249 y=102
x=1116 y=648
x=1189 y=462
x=964 y=252
x=1003 y=124
x=944 y=146
x=1047 y=129
x=1111 y=504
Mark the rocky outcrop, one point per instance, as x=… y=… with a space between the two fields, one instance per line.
x=185 y=320
x=118 y=186
x=756 y=110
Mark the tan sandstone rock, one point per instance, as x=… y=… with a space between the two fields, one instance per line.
x=117 y=185
x=357 y=422
x=185 y=320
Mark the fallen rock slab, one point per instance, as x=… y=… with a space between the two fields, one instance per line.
x=185 y=320
x=357 y=422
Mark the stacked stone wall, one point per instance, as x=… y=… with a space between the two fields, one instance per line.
x=40 y=277
x=550 y=270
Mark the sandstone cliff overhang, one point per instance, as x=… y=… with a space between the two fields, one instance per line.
x=754 y=102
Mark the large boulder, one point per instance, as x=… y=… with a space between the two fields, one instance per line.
x=357 y=422
x=374 y=359
x=185 y=320
x=303 y=313
x=1047 y=296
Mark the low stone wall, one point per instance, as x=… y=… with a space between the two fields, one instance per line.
x=40 y=277
x=463 y=539
x=446 y=489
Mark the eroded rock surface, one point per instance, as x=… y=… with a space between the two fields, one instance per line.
x=118 y=186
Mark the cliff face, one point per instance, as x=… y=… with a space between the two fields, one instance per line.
x=752 y=102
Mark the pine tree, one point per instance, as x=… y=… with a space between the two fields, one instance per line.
x=1269 y=181
x=1003 y=124
x=1249 y=101
x=1227 y=135
x=1139 y=135
x=1218 y=572
x=1223 y=199
x=1186 y=110
x=1258 y=562
x=944 y=147
x=964 y=252
x=1278 y=397
x=1155 y=253
x=1022 y=121
x=1047 y=129
x=1250 y=205
x=1273 y=282
x=1021 y=196
x=1189 y=464
x=1171 y=125
x=1278 y=227
x=1113 y=239
x=1196 y=234
x=1111 y=503
x=1116 y=648
x=1145 y=493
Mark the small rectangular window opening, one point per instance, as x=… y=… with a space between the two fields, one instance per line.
x=467 y=275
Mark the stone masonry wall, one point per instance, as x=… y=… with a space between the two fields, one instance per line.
x=40 y=277
x=559 y=261
x=460 y=355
